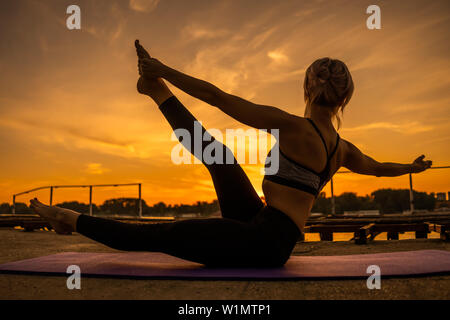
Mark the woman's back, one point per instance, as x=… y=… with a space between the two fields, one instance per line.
x=311 y=145
x=309 y=154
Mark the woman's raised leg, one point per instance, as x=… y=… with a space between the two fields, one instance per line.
x=237 y=198
x=236 y=195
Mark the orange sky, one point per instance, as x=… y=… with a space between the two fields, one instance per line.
x=70 y=113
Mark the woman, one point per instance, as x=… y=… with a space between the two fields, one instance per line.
x=250 y=234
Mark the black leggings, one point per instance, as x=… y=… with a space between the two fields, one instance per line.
x=250 y=234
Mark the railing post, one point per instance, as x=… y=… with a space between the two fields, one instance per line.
x=333 y=205
x=411 y=195
x=90 y=200
x=51 y=195
x=140 y=200
x=14 y=205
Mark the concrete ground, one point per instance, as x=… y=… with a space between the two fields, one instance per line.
x=18 y=245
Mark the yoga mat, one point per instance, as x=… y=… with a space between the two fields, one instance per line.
x=159 y=265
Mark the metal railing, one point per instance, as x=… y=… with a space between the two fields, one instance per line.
x=91 y=186
x=411 y=194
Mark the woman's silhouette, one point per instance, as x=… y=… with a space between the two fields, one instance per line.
x=250 y=232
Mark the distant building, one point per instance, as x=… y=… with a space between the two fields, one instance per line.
x=316 y=214
x=440 y=196
x=362 y=213
x=189 y=215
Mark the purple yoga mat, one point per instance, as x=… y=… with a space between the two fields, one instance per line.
x=159 y=265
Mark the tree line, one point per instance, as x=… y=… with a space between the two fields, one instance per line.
x=126 y=206
x=385 y=200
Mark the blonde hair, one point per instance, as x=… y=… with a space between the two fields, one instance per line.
x=328 y=83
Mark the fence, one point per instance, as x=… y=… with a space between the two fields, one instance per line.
x=52 y=188
x=411 y=195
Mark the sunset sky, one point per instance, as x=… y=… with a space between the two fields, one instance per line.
x=70 y=112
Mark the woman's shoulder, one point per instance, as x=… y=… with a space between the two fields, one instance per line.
x=298 y=123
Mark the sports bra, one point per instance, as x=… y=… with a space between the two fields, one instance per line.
x=295 y=175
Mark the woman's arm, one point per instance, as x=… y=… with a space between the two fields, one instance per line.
x=254 y=115
x=358 y=162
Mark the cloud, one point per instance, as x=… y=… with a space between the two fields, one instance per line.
x=196 y=32
x=95 y=168
x=141 y=146
x=241 y=63
x=112 y=29
x=144 y=5
x=261 y=38
x=406 y=128
x=277 y=56
x=207 y=65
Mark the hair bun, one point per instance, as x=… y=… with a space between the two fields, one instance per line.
x=323 y=70
x=324 y=74
x=328 y=83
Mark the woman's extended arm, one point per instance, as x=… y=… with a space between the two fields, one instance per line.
x=254 y=115
x=358 y=162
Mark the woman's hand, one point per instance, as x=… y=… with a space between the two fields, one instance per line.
x=420 y=165
x=151 y=68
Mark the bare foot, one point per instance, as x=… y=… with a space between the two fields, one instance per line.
x=63 y=221
x=144 y=85
x=155 y=88
x=141 y=52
